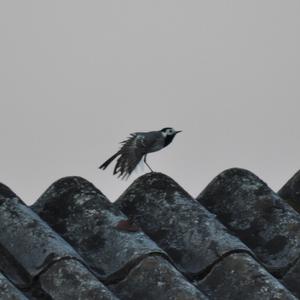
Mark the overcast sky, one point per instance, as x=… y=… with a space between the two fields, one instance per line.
x=78 y=76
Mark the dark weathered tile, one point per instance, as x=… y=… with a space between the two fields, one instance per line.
x=27 y=244
x=9 y=291
x=291 y=279
x=238 y=276
x=92 y=240
x=70 y=280
x=290 y=192
x=154 y=278
x=257 y=215
x=82 y=215
x=179 y=224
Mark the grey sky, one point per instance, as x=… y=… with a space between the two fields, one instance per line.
x=78 y=76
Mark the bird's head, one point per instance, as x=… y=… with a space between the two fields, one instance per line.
x=169 y=131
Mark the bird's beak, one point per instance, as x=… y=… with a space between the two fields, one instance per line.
x=178 y=131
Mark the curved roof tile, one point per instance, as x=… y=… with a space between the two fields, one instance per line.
x=191 y=235
x=257 y=215
x=88 y=240
x=91 y=224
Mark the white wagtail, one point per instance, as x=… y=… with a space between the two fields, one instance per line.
x=137 y=146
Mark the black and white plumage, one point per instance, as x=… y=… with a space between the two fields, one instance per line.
x=136 y=147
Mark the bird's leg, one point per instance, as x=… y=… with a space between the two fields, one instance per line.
x=145 y=161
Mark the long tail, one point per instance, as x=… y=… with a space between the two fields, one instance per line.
x=105 y=164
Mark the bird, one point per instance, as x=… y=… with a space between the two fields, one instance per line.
x=136 y=147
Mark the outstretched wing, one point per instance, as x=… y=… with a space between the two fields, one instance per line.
x=131 y=153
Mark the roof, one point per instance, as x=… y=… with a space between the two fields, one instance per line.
x=237 y=240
